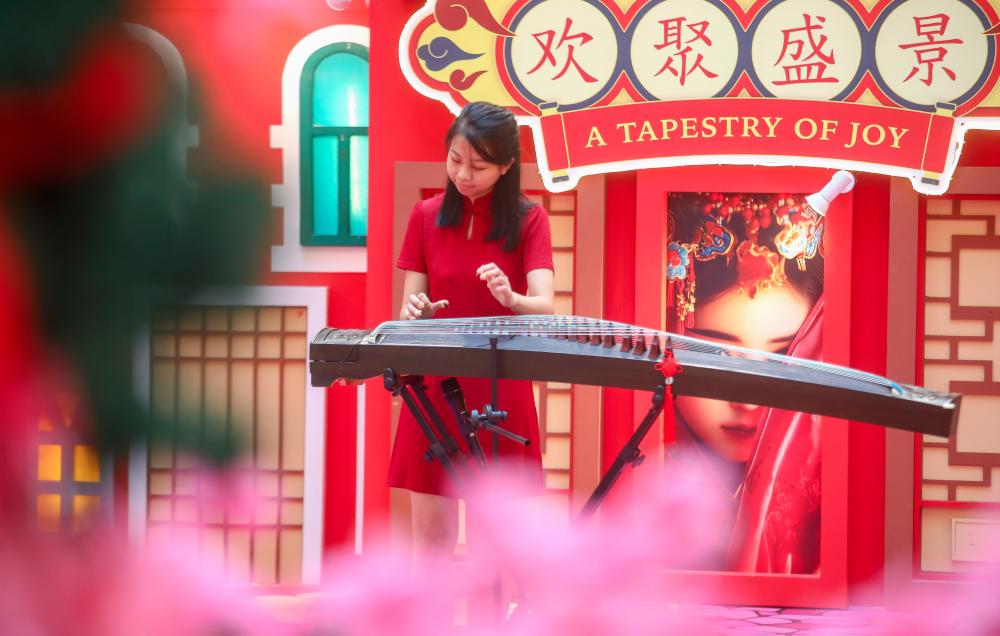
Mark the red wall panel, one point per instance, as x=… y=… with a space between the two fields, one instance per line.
x=866 y=443
x=405 y=126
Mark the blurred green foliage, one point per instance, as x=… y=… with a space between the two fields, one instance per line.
x=104 y=238
x=39 y=37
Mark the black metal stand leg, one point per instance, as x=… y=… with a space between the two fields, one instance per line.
x=629 y=454
x=437 y=450
x=442 y=449
x=450 y=446
x=452 y=391
x=495 y=369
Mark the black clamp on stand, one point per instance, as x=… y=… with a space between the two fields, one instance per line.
x=489 y=418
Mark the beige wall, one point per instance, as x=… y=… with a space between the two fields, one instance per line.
x=944 y=493
x=238 y=372
x=961 y=353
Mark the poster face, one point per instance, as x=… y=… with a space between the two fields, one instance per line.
x=746 y=270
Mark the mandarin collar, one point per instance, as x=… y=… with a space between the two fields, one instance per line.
x=482 y=205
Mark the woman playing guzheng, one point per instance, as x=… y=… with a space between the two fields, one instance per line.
x=479 y=249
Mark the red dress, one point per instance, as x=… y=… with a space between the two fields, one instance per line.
x=450 y=257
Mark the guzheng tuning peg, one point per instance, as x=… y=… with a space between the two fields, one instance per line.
x=640 y=343
x=655 y=347
x=595 y=334
x=627 y=343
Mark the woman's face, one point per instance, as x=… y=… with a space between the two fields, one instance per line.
x=472 y=175
x=767 y=322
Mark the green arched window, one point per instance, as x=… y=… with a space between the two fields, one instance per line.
x=334 y=142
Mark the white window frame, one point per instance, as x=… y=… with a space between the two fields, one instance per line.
x=177 y=73
x=291 y=255
x=314 y=300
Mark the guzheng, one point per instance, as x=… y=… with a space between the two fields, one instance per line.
x=583 y=350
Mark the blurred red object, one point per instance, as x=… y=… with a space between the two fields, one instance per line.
x=19 y=358
x=112 y=93
x=108 y=97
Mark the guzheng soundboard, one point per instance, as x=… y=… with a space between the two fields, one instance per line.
x=583 y=350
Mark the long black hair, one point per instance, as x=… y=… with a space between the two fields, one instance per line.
x=492 y=132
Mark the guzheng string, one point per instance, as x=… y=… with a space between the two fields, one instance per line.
x=583 y=327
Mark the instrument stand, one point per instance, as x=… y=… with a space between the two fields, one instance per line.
x=489 y=418
x=442 y=445
x=412 y=389
x=456 y=400
x=469 y=425
x=630 y=454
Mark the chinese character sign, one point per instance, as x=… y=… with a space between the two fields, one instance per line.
x=611 y=85
x=683 y=50
x=564 y=51
x=807 y=49
x=930 y=51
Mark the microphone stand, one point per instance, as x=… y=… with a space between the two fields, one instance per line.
x=489 y=418
x=443 y=447
x=452 y=391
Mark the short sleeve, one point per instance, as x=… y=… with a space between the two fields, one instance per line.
x=411 y=254
x=536 y=240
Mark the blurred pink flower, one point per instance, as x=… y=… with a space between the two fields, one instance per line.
x=93 y=585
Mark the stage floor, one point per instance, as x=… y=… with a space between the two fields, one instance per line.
x=716 y=620
x=813 y=622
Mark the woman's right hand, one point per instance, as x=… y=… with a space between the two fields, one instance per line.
x=420 y=306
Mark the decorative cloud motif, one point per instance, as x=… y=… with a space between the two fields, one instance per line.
x=453 y=14
x=460 y=81
x=442 y=52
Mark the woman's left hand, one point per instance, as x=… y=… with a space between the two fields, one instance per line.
x=497 y=282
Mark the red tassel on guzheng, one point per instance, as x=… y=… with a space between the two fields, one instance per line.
x=669 y=368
